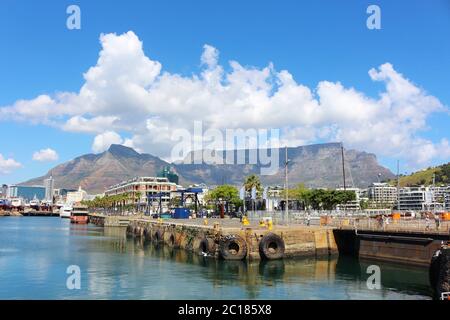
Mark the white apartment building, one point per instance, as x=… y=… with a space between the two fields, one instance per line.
x=143 y=189
x=274 y=198
x=438 y=196
x=76 y=196
x=447 y=199
x=352 y=205
x=414 y=198
x=422 y=198
x=382 y=195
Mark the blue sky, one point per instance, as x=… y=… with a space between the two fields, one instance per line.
x=314 y=40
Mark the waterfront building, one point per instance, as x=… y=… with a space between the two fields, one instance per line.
x=4 y=191
x=76 y=196
x=274 y=198
x=145 y=191
x=415 y=198
x=422 y=198
x=438 y=197
x=352 y=205
x=447 y=199
x=382 y=195
x=167 y=173
x=27 y=193
x=62 y=192
x=49 y=185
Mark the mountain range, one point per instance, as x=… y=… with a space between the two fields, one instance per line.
x=318 y=165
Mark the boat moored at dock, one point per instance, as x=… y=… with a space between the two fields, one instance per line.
x=79 y=214
x=65 y=211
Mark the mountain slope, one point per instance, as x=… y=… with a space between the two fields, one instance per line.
x=95 y=172
x=317 y=165
x=425 y=177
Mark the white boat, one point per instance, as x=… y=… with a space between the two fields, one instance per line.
x=17 y=203
x=65 y=211
x=59 y=204
x=34 y=204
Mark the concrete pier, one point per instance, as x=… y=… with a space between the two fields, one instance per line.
x=228 y=239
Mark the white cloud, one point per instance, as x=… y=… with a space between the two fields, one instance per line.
x=8 y=165
x=45 y=155
x=91 y=125
x=126 y=91
x=104 y=140
x=210 y=56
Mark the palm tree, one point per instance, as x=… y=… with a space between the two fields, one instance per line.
x=252 y=181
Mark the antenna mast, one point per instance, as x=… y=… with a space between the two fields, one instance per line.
x=343 y=165
x=286 y=182
x=398 y=185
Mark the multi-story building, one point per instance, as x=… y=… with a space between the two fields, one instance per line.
x=415 y=198
x=447 y=199
x=73 y=197
x=382 y=195
x=167 y=173
x=352 y=205
x=438 y=197
x=143 y=191
x=27 y=193
x=422 y=198
x=4 y=191
x=49 y=185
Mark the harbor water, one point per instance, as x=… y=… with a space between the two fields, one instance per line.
x=36 y=254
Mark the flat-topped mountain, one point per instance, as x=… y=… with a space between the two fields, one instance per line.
x=318 y=165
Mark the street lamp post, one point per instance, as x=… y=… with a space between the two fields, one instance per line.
x=286 y=182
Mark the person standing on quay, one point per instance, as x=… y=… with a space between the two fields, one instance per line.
x=437 y=220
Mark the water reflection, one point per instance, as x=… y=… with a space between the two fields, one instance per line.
x=256 y=274
x=35 y=252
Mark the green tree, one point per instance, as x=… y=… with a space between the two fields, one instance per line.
x=321 y=199
x=253 y=181
x=363 y=204
x=226 y=193
x=443 y=174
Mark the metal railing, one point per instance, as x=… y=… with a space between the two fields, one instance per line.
x=391 y=225
x=352 y=220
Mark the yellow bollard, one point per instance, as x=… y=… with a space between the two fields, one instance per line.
x=205 y=222
x=270 y=225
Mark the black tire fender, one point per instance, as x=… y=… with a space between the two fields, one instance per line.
x=207 y=246
x=157 y=236
x=129 y=229
x=271 y=247
x=233 y=247
x=145 y=234
x=170 y=238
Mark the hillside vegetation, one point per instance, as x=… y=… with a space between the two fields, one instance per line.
x=425 y=177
